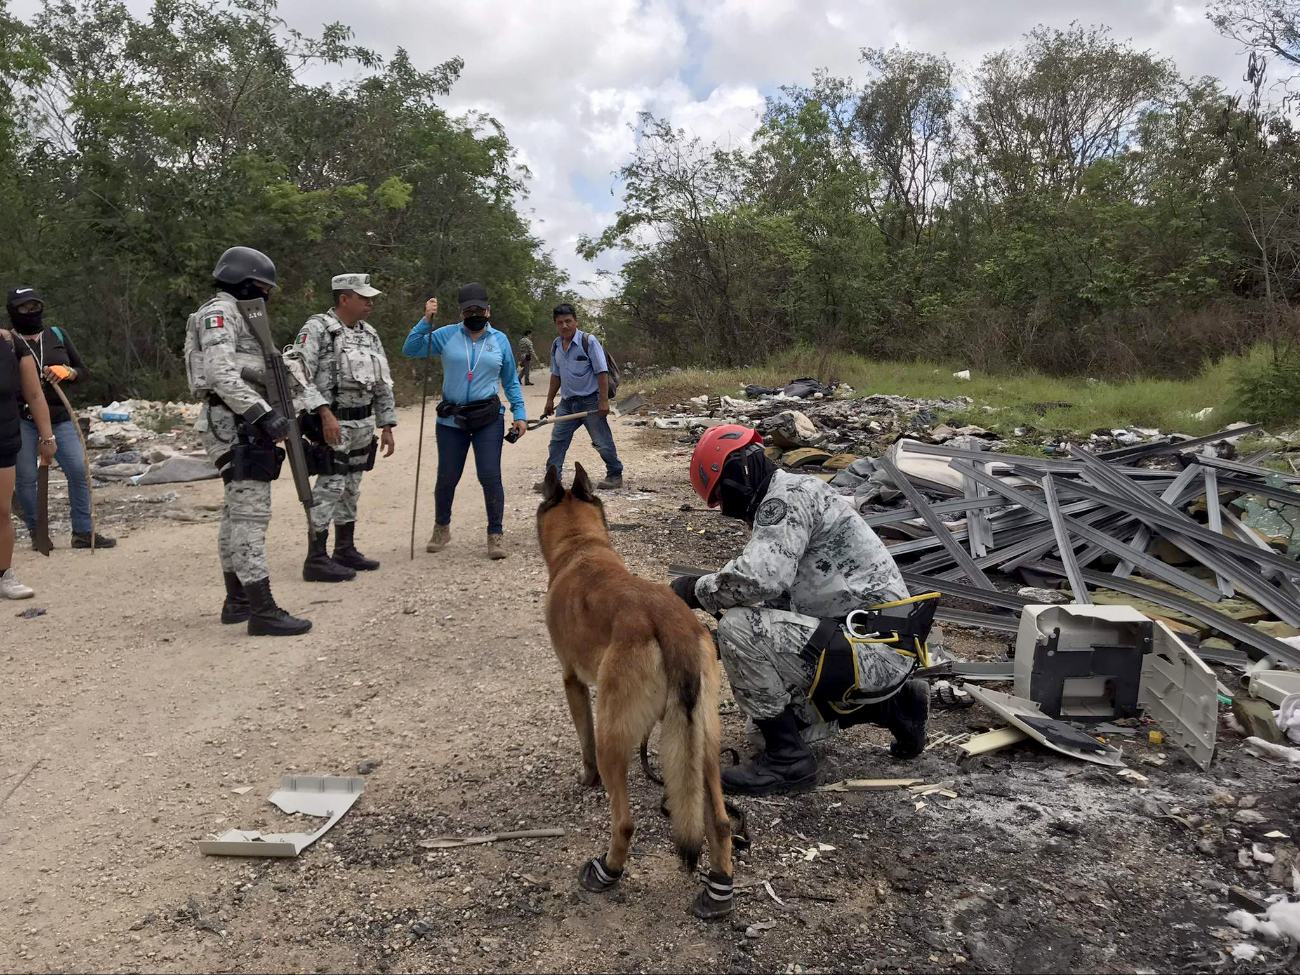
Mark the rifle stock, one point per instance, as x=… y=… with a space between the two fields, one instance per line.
x=276 y=379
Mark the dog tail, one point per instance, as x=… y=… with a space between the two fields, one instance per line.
x=681 y=749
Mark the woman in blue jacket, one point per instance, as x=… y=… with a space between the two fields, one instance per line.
x=475 y=358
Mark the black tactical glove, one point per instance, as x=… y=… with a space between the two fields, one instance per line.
x=684 y=586
x=270 y=423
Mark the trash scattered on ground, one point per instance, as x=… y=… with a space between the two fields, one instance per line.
x=868 y=785
x=455 y=842
x=311 y=795
x=30 y=614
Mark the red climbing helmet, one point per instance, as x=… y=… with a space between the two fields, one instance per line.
x=717 y=444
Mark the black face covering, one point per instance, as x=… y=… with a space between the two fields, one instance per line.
x=476 y=323
x=26 y=322
x=248 y=290
x=745 y=478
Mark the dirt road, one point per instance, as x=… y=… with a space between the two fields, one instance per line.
x=146 y=714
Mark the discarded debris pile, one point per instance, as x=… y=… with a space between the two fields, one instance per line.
x=1171 y=543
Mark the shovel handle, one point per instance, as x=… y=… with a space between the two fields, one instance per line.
x=547 y=420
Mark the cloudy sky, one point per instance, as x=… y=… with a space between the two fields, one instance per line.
x=566 y=77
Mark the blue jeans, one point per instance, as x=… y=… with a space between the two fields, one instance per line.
x=70 y=460
x=453 y=448
x=602 y=438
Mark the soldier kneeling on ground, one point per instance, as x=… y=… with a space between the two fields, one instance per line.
x=810 y=563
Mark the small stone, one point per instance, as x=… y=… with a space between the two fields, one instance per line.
x=1223 y=799
x=369 y=765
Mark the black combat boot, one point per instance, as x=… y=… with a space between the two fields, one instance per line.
x=236 y=608
x=345 y=553
x=267 y=618
x=905 y=715
x=319 y=567
x=784 y=765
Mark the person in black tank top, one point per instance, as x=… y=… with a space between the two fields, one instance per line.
x=17 y=381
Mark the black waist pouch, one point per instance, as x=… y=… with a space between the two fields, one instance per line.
x=471 y=416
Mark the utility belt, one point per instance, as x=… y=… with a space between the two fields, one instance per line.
x=251 y=457
x=903 y=626
x=325 y=459
x=471 y=416
x=353 y=412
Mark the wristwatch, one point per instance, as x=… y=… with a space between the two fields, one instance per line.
x=47 y=441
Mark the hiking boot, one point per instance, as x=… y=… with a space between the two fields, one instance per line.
x=82 y=540
x=612 y=482
x=905 y=715
x=439 y=539
x=784 y=765
x=540 y=487
x=235 y=609
x=345 y=553
x=11 y=588
x=268 y=619
x=497 y=547
x=319 y=567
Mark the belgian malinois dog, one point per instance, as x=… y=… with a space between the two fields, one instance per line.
x=651 y=661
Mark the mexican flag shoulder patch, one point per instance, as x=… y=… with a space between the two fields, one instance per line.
x=215 y=321
x=302 y=338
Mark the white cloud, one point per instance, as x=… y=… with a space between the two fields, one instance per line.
x=567 y=79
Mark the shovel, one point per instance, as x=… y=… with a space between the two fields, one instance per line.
x=629 y=405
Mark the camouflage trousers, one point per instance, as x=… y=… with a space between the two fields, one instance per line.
x=335 y=496
x=241 y=539
x=760 y=652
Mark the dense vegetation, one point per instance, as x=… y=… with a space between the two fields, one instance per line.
x=133 y=151
x=1070 y=205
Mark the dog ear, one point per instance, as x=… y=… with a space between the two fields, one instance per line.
x=553 y=491
x=582 y=485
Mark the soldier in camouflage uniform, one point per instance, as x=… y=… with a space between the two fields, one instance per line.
x=810 y=559
x=348 y=391
x=240 y=429
x=526 y=355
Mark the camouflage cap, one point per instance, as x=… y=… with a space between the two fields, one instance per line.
x=356 y=283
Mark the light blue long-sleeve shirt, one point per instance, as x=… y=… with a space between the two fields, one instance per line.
x=491 y=359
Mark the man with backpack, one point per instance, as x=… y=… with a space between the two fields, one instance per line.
x=586 y=378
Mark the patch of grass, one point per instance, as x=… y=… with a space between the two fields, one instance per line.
x=1047 y=404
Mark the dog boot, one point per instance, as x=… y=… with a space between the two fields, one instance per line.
x=715 y=899
x=345 y=552
x=596 y=877
x=784 y=765
x=319 y=567
x=236 y=608
x=905 y=715
x=267 y=618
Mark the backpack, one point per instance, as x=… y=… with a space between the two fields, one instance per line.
x=614 y=377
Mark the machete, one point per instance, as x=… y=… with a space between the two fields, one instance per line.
x=41 y=535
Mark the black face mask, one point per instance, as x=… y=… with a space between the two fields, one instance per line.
x=745 y=478
x=476 y=323
x=248 y=290
x=26 y=322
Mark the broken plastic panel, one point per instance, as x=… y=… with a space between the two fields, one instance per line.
x=1056 y=735
x=312 y=795
x=1274 y=685
x=1181 y=694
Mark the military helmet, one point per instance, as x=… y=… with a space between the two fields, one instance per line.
x=239 y=264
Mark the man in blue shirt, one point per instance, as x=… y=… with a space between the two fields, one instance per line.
x=475 y=359
x=580 y=373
